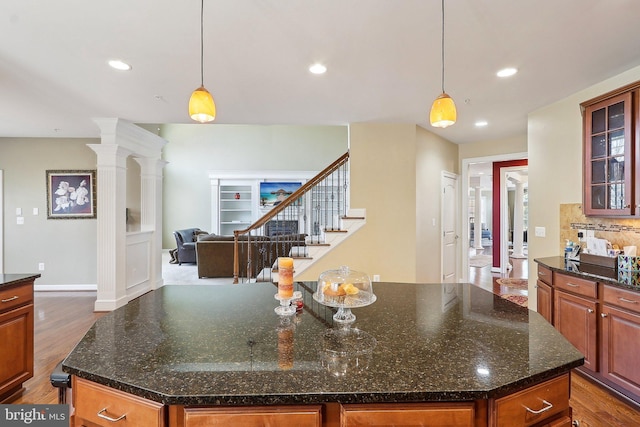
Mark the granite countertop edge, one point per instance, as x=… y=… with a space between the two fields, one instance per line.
x=294 y=398
x=7 y=280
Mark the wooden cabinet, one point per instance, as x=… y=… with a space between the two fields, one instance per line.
x=251 y=416
x=97 y=405
x=416 y=414
x=621 y=338
x=543 y=404
x=544 y=293
x=16 y=334
x=609 y=147
x=575 y=315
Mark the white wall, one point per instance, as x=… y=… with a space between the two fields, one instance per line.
x=555 y=165
x=67 y=247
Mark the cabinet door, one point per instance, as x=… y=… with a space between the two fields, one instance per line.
x=575 y=318
x=415 y=414
x=544 y=293
x=254 y=416
x=16 y=358
x=621 y=347
x=608 y=164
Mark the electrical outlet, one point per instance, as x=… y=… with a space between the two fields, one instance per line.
x=376 y=277
x=41 y=266
x=582 y=235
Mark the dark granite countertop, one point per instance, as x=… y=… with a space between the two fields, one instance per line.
x=224 y=345
x=610 y=276
x=7 y=280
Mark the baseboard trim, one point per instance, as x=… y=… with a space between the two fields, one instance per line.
x=65 y=287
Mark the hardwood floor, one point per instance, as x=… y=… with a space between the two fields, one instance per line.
x=62 y=318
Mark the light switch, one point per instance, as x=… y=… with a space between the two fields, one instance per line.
x=541 y=231
x=18 y=211
x=20 y=220
x=36 y=211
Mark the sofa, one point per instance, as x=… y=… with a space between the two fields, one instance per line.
x=214 y=254
x=186 y=244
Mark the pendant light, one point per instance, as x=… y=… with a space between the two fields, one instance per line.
x=443 y=110
x=201 y=106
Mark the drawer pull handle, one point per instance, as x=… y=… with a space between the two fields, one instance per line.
x=108 y=418
x=630 y=301
x=573 y=285
x=545 y=409
x=13 y=298
x=590 y=310
x=540 y=273
x=603 y=315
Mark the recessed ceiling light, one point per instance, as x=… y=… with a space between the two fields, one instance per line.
x=119 y=65
x=481 y=123
x=318 y=69
x=507 y=72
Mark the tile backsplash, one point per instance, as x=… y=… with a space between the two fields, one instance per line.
x=619 y=231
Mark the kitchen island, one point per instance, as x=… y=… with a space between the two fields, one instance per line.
x=201 y=355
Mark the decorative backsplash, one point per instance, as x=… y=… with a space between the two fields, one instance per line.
x=619 y=231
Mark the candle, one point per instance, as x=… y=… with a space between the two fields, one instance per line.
x=285 y=277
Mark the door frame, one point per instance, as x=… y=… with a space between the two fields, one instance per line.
x=456 y=198
x=1 y=221
x=464 y=204
x=504 y=216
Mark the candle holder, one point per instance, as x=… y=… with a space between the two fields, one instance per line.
x=286 y=308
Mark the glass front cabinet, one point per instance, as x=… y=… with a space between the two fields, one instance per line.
x=610 y=148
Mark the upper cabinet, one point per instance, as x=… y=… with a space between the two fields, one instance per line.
x=610 y=147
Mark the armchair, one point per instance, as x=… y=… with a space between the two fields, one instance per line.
x=186 y=242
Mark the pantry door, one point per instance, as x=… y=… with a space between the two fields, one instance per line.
x=449 y=223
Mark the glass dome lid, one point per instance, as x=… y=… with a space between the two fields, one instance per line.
x=344 y=288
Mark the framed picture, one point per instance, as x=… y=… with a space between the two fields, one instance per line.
x=71 y=194
x=272 y=193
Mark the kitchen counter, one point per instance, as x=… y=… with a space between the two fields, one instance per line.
x=224 y=345
x=609 y=276
x=8 y=280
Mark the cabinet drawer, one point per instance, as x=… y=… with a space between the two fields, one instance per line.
x=15 y=296
x=258 y=416
x=576 y=285
x=545 y=275
x=533 y=405
x=622 y=298
x=418 y=414
x=102 y=405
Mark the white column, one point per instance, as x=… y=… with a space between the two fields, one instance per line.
x=151 y=211
x=111 y=240
x=477 y=225
x=518 y=221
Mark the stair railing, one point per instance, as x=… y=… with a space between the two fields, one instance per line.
x=298 y=221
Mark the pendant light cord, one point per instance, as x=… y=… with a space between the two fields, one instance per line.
x=202 y=44
x=442 y=50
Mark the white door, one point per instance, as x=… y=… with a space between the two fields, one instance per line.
x=449 y=220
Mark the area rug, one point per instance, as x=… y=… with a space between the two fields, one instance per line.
x=521 y=300
x=480 y=261
x=521 y=284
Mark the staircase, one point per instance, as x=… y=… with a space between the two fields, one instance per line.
x=304 y=225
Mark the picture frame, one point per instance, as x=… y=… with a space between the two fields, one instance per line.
x=272 y=193
x=71 y=194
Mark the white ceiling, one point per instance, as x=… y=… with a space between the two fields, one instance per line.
x=383 y=59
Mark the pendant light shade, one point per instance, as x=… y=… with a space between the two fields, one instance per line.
x=443 y=111
x=201 y=106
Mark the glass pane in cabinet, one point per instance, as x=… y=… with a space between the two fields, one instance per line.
x=616 y=143
x=598 y=175
x=598 y=146
x=598 y=197
x=616 y=196
x=598 y=121
x=616 y=116
x=616 y=169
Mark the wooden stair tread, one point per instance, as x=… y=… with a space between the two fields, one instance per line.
x=353 y=217
x=318 y=244
x=334 y=231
